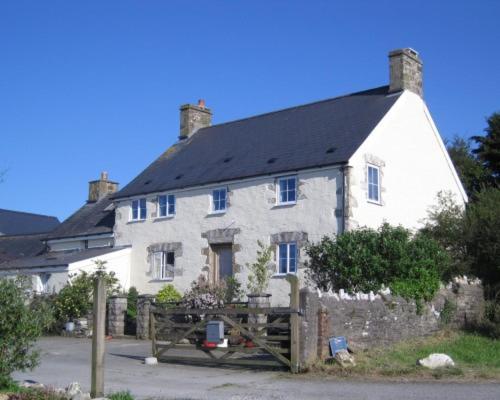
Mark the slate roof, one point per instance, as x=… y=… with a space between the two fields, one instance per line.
x=12 y=247
x=92 y=218
x=319 y=134
x=20 y=223
x=57 y=259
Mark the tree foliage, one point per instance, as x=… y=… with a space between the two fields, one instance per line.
x=482 y=233
x=20 y=326
x=470 y=170
x=365 y=260
x=488 y=149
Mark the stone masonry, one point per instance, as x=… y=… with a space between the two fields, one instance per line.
x=143 y=305
x=117 y=309
x=369 y=320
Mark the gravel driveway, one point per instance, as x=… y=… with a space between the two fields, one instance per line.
x=65 y=360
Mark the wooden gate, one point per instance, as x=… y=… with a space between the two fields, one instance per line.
x=255 y=336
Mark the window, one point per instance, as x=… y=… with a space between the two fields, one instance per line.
x=287 y=190
x=163 y=265
x=219 y=200
x=138 y=209
x=166 y=205
x=287 y=258
x=373 y=184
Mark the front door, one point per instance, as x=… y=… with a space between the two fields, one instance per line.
x=222 y=262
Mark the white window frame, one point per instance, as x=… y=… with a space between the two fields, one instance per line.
x=138 y=202
x=212 y=206
x=161 y=267
x=167 y=205
x=368 y=183
x=278 y=189
x=288 y=258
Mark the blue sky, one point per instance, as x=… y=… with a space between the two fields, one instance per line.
x=96 y=85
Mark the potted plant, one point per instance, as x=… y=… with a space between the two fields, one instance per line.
x=258 y=281
x=259 y=276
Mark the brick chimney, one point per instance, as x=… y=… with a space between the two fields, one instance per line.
x=194 y=118
x=405 y=71
x=100 y=188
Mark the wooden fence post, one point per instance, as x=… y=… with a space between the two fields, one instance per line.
x=294 y=322
x=97 y=373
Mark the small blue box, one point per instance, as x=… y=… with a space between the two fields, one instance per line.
x=337 y=344
x=215 y=331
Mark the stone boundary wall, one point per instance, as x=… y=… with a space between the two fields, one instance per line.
x=371 y=320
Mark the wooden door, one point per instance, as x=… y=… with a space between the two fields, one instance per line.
x=222 y=262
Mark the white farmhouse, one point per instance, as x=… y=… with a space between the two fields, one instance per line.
x=283 y=178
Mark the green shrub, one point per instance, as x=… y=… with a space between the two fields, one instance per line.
x=258 y=278
x=37 y=394
x=448 y=311
x=44 y=305
x=131 y=316
x=20 y=326
x=123 y=395
x=232 y=290
x=364 y=260
x=75 y=299
x=168 y=294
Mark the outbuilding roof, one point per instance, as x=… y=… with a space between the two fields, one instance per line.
x=93 y=218
x=21 y=223
x=314 y=135
x=57 y=259
x=12 y=247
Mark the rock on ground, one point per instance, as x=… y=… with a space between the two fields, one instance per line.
x=436 y=360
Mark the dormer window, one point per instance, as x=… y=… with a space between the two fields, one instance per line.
x=138 y=209
x=287 y=190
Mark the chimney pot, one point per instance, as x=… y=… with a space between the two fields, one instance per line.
x=104 y=176
x=405 y=70
x=193 y=118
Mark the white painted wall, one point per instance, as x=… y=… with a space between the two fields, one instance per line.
x=66 y=245
x=117 y=261
x=79 y=243
x=252 y=209
x=58 y=276
x=415 y=166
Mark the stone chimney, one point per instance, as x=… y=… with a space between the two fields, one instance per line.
x=100 y=188
x=405 y=71
x=194 y=118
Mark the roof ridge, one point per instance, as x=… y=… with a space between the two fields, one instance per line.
x=29 y=213
x=294 y=107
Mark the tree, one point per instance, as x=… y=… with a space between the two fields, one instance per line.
x=470 y=170
x=446 y=224
x=259 y=276
x=483 y=238
x=488 y=150
x=20 y=327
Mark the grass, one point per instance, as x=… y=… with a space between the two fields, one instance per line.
x=123 y=395
x=476 y=357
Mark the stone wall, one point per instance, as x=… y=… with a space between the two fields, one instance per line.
x=370 y=320
x=117 y=310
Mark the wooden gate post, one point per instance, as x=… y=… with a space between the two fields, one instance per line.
x=97 y=373
x=294 y=322
x=152 y=332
